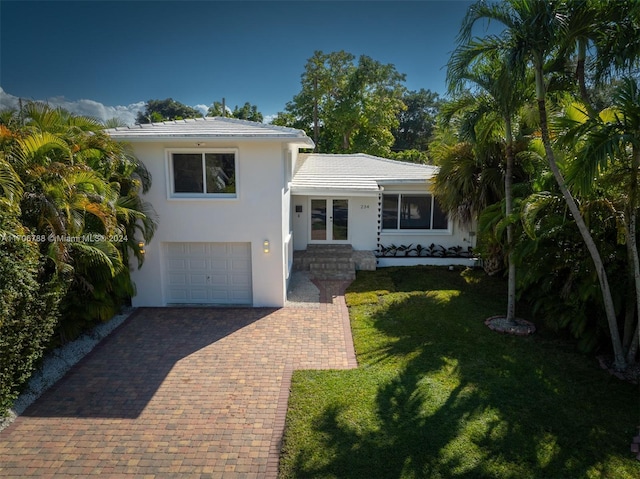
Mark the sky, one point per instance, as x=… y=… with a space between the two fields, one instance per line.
x=106 y=58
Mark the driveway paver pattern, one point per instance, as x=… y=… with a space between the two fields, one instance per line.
x=180 y=392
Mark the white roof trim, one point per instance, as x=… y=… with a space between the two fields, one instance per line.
x=211 y=128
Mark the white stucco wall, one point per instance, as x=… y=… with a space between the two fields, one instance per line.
x=254 y=216
x=363 y=221
x=363 y=224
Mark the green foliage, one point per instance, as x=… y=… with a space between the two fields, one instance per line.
x=82 y=198
x=28 y=309
x=410 y=156
x=167 y=109
x=246 y=112
x=417 y=123
x=347 y=107
x=557 y=279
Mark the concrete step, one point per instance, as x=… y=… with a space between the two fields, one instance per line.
x=332 y=262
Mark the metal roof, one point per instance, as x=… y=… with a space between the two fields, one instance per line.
x=354 y=174
x=210 y=128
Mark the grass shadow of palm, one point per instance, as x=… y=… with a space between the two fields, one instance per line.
x=466 y=402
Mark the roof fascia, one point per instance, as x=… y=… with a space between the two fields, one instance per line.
x=254 y=139
x=332 y=192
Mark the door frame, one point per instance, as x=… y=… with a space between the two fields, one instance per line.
x=329 y=220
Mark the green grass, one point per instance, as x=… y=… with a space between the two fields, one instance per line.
x=439 y=395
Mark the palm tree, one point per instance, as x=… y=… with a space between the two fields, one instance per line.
x=82 y=187
x=501 y=95
x=609 y=139
x=610 y=29
x=533 y=32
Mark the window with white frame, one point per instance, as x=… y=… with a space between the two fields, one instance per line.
x=203 y=173
x=410 y=211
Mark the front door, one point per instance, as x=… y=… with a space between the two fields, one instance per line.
x=329 y=219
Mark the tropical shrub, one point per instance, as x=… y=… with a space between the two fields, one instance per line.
x=28 y=310
x=557 y=277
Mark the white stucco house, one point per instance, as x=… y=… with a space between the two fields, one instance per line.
x=235 y=199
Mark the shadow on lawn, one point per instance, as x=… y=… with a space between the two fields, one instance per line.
x=472 y=403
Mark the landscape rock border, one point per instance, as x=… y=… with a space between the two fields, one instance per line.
x=58 y=362
x=501 y=325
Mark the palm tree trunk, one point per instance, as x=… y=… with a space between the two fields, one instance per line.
x=635 y=164
x=636 y=276
x=316 y=125
x=630 y=319
x=508 y=193
x=580 y=74
x=619 y=359
x=633 y=347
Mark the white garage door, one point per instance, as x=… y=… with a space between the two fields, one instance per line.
x=208 y=273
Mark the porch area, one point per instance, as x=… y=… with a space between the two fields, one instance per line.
x=333 y=261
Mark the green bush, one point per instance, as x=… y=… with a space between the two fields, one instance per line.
x=28 y=313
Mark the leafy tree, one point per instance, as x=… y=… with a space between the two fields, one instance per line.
x=163 y=110
x=246 y=112
x=410 y=156
x=417 y=122
x=347 y=106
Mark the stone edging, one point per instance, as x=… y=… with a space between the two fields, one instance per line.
x=522 y=328
x=58 y=362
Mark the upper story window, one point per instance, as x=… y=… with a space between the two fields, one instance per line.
x=409 y=211
x=209 y=173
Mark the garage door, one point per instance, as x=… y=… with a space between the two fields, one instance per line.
x=208 y=273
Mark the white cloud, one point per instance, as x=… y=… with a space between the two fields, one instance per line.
x=84 y=107
x=202 y=109
x=269 y=118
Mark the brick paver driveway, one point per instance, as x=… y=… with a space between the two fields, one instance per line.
x=180 y=392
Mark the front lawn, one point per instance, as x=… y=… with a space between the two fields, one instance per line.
x=439 y=395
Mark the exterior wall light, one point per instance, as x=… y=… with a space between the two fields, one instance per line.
x=141 y=247
x=266 y=246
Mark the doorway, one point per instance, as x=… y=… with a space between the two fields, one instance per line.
x=329 y=220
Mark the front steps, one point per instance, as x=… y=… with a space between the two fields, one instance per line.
x=333 y=262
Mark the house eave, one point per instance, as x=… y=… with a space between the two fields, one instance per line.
x=333 y=192
x=298 y=142
x=404 y=181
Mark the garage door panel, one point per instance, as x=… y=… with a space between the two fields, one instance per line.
x=219 y=279
x=239 y=280
x=177 y=248
x=177 y=264
x=199 y=295
x=177 y=279
x=180 y=295
x=198 y=264
x=220 y=264
x=197 y=249
x=240 y=265
x=215 y=273
x=221 y=249
x=198 y=279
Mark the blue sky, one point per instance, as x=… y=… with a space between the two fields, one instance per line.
x=118 y=54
